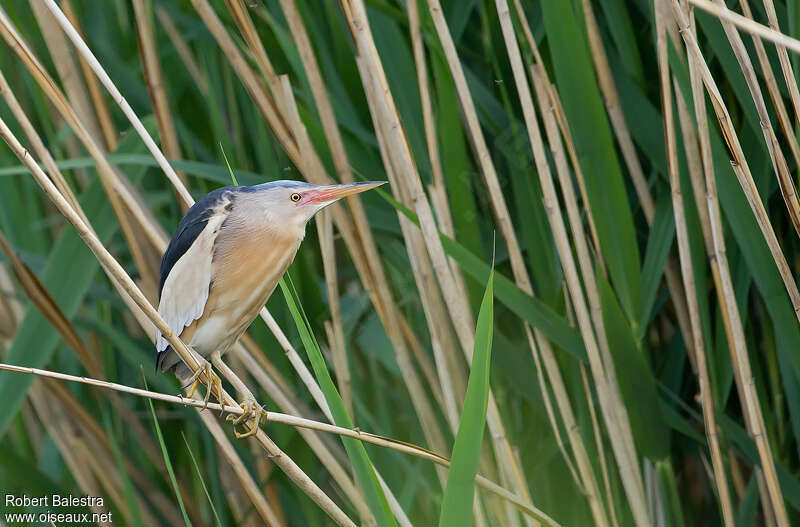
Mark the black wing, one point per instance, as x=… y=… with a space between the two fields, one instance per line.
x=190 y=228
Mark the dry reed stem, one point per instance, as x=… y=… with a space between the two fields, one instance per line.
x=330 y=456
x=101 y=111
x=704 y=380
x=786 y=65
x=98 y=69
x=617 y=423
x=598 y=438
x=275 y=417
x=183 y=49
x=151 y=68
x=739 y=357
x=773 y=89
x=719 y=265
x=438 y=191
x=779 y=165
x=741 y=167
x=605 y=81
x=767 y=33
x=685 y=257
x=113 y=268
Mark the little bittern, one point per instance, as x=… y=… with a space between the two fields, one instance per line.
x=222 y=264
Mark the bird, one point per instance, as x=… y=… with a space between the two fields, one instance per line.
x=221 y=266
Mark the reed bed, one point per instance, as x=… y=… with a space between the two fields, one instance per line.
x=580 y=282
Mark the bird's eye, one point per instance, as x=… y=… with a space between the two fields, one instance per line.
x=295 y=197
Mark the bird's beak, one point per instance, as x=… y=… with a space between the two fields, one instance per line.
x=332 y=193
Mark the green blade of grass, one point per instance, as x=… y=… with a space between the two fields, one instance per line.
x=167 y=461
x=459 y=492
x=355 y=449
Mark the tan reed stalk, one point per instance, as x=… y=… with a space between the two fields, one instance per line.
x=112 y=267
x=617 y=422
x=151 y=67
x=101 y=110
x=183 y=49
x=605 y=81
x=773 y=89
x=438 y=190
x=684 y=253
x=767 y=33
x=783 y=58
x=719 y=266
x=704 y=380
x=290 y=420
x=330 y=456
x=565 y=180
x=598 y=438
x=442 y=341
x=779 y=165
x=739 y=357
x=741 y=167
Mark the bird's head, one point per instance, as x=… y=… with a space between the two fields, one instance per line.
x=293 y=203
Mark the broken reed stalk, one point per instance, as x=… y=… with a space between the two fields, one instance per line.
x=291 y=420
x=786 y=65
x=685 y=258
x=785 y=183
x=774 y=91
x=751 y=26
x=115 y=270
x=740 y=359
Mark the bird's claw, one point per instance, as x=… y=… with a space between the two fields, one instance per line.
x=252 y=410
x=214 y=385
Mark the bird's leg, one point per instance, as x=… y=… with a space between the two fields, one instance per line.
x=214 y=382
x=250 y=405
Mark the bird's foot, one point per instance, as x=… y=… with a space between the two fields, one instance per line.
x=213 y=383
x=251 y=410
